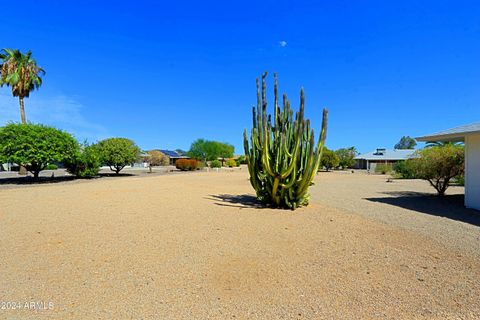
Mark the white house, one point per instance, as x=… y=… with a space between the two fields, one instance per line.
x=470 y=134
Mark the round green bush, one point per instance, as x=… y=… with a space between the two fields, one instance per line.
x=86 y=163
x=215 y=164
x=51 y=166
x=231 y=163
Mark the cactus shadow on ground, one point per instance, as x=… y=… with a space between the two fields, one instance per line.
x=237 y=201
x=450 y=206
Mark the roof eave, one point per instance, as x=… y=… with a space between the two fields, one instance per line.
x=458 y=137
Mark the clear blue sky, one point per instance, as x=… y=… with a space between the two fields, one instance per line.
x=166 y=73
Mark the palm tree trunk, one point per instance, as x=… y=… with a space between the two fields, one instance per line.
x=22 y=110
x=23 y=170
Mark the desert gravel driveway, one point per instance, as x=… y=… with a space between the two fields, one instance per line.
x=198 y=246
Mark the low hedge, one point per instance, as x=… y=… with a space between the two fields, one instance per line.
x=186 y=164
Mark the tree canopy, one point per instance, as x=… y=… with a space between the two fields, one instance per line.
x=346 y=157
x=34 y=146
x=117 y=153
x=439 y=165
x=406 y=142
x=329 y=159
x=207 y=150
x=156 y=158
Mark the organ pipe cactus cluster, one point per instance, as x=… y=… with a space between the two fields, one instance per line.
x=282 y=156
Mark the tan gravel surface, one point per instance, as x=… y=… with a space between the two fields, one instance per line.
x=196 y=246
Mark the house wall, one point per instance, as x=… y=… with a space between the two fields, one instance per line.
x=472 y=171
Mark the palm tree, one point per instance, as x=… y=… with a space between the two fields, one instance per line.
x=20 y=72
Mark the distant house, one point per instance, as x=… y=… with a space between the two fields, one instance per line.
x=370 y=160
x=172 y=156
x=470 y=134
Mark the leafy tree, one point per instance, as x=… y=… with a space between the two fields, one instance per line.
x=34 y=146
x=346 y=157
x=439 y=165
x=329 y=159
x=156 y=158
x=406 y=142
x=198 y=150
x=204 y=150
x=86 y=163
x=117 y=153
x=226 y=150
x=20 y=72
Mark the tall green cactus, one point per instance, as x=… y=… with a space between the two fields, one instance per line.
x=282 y=160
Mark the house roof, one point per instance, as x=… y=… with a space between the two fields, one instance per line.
x=172 y=154
x=455 y=134
x=386 y=154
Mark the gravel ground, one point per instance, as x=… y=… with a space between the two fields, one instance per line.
x=198 y=246
x=407 y=204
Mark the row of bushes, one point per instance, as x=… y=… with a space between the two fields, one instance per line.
x=193 y=164
x=36 y=147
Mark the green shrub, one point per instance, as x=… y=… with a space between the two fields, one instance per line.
x=86 y=164
x=383 y=168
x=117 y=153
x=231 y=163
x=460 y=180
x=200 y=165
x=241 y=160
x=215 y=164
x=51 y=166
x=405 y=170
x=439 y=165
x=186 y=164
x=34 y=146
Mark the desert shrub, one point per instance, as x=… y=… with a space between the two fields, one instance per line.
x=405 y=170
x=86 y=163
x=215 y=164
x=241 y=160
x=186 y=164
x=51 y=166
x=34 y=146
x=329 y=159
x=231 y=163
x=383 y=168
x=439 y=165
x=117 y=153
x=156 y=158
x=201 y=165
